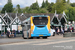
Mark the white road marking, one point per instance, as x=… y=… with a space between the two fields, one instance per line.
x=56 y=42
x=20 y=43
x=41 y=42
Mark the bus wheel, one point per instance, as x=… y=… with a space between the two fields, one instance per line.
x=38 y=37
x=44 y=37
x=53 y=33
x=31 y=38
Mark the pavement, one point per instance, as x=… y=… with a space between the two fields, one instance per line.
x=17 y=35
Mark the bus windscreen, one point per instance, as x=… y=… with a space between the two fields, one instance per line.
x=40 y=20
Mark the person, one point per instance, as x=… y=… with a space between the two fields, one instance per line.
x=8 y=33
x=62 y=31
x=66 y=29
x=3 y=34
x=58 y=31
x=14 y=32
x=69 y=29
x=18 y=31
x=11 y=34
x=72 y=29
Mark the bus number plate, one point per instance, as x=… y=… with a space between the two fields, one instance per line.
x=40 y=35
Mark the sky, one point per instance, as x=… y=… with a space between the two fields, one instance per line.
x=24 y=3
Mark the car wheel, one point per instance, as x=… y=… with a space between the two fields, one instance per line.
x=53 y=33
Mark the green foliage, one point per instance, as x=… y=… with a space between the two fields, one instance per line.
x=34 y=6
x=49 y=8
x=47 y=3
x=64 y=1
x=43 y=10
x=71 y=13
x=59 y=6
x=68 y=1
x=72 y=4
x=14 y=10
x=0 y=11
x=58 y=1
x=34 y=11
x=8 y=8
x=26 y=10
x=43 y=4
x=18 y=8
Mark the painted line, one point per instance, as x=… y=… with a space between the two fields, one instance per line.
x=56 y=42
x=45 y=42
x=20 y=43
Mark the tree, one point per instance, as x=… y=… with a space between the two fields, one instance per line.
x=71 y=13
x=8 y=8
x=49 y=8
x=43 y=4
x=43 y=10
x=59 y=6
x=34 y=6
x=58 y=1
x=68 y=1
x=34 y=11
x=72 y=4
x=0 y=11
x=64 y=1
x=14 y=10
x=18 y=8
x=47 y=4
x=26 y=10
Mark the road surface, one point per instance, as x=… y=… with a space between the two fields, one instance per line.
x=52 y=43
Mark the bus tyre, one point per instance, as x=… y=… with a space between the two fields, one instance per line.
x=38 y=37
x=53 y=33
x=31 y=38
x=44 y=37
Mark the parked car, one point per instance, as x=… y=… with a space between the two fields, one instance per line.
x=52 y=32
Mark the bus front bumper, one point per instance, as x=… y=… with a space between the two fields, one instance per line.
x=40 y=35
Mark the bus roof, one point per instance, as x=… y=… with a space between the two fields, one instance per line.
x=40 y=16
x=34 y=16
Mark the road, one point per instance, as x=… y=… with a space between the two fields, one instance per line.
x=52 y=43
